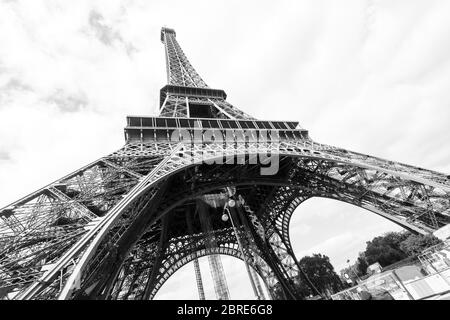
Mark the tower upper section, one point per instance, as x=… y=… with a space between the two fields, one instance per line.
x=186 y=95
x=188 y=104
x=180 y=72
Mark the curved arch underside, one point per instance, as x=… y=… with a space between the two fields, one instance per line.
x=223 y=251
x=144 y=186
x=134 y=284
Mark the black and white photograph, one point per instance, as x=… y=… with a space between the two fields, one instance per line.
x=242 y=151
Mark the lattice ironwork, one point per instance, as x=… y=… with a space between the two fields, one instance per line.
x=118 y=228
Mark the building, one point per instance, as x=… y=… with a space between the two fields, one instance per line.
x=427 y=280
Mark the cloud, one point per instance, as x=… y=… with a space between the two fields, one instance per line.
x=106 y=34
x=4 y=155
x=300 y=229
x=12 y=87
x=15 y=85
x=103 y=32
x=370 y=76
x=68 y=102
x=330 y=245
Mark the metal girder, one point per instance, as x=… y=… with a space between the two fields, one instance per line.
x=56 y=216
x=119 y=168
x=366 y=193
x=84 y=211
x=97 y=232
x=180 y=72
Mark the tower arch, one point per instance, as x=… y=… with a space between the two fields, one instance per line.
x=70 y=238
x=306 y=184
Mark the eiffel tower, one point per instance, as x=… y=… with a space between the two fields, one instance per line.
x=201 y=179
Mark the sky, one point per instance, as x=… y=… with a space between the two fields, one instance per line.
x=369 y=76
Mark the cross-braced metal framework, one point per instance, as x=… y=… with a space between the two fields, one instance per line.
x=119 y=227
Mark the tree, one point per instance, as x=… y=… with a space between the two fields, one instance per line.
x=317 y=270
x=415 y=244
x=361 y=265
x=349 y=275
x=320 y=272
x=386 y=249
x=302 y=290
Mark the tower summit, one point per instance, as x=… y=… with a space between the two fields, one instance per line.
x=190 y=183
x=183 y=81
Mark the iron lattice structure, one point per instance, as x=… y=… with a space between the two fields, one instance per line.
x=119 y=227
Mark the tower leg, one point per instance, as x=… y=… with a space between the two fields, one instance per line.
x=198 y=278
x=258 y=284
x=160 y=256
x=198 y=274
x=290 y=252
x=215 y=263
x=232 y=216
x=267 y=252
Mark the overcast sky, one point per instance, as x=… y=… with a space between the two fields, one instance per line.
x=370 y=76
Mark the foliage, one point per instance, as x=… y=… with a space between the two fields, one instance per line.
x=415 y=244
x=301 y=290
x=361 y=265
x=352 y=275
x=320 y=272
x=386 y=249
x=391 y=248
